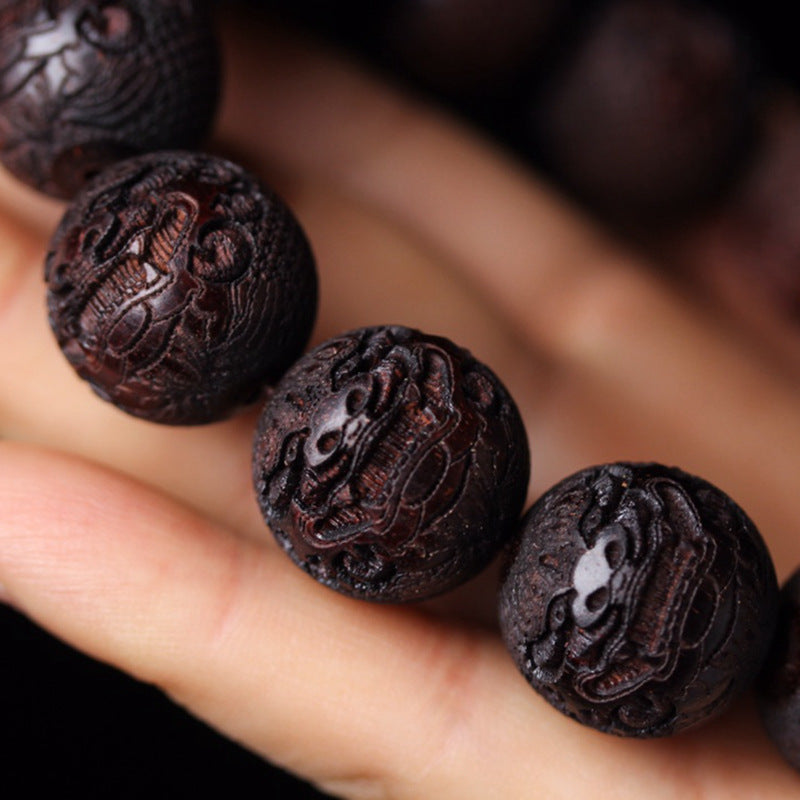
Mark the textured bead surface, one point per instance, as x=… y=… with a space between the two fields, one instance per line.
x=390 y=465
x=779 y=683
x=639 y=600
x=84 y=83
x=178 y=285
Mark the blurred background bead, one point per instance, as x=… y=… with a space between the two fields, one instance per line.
x=467 y=47
x=651 y=112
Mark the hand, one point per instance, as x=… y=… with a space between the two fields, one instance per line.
x=144 y=547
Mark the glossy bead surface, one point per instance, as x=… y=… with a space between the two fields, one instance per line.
x=390 y=464
x=639 y=600
x=178 y=285
x=84 y=83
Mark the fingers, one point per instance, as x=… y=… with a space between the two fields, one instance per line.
x=314 y=113
x=369 y=701
x=606 y=361
x=523 y=247
x=640 y=370
x=370 y=273
x=237 y=634
x=17 y=252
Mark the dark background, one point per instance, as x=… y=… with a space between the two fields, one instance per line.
x=69 y=722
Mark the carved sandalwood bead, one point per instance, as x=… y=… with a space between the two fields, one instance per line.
x=779 y=683
x=639 y=599
x=178 y=285
x=84 y=83
x=390 y=464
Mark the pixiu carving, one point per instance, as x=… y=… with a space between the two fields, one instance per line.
x=390 y=464
x=86 y=82
x=178 y=286
x=640 y=599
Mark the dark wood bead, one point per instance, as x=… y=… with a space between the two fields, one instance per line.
x=651 y=111
x=390 y=464
x=84 y=83
x=779 y=683
x=178 y=286
x=639 y=600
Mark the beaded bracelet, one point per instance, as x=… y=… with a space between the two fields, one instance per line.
x=389 y=464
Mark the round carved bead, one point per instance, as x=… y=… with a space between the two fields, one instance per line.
x=84 y=83
x=178 y=286
x=390 y=464
x=779 y=683
x=639 y=600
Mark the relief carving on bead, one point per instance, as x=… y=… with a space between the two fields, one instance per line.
x=174 y=276
x=381 y=440
x=640 y=600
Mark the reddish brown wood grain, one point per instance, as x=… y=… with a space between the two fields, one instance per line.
x=391 y=465
x=178 y=286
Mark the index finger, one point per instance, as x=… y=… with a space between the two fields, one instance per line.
x=371 y=701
